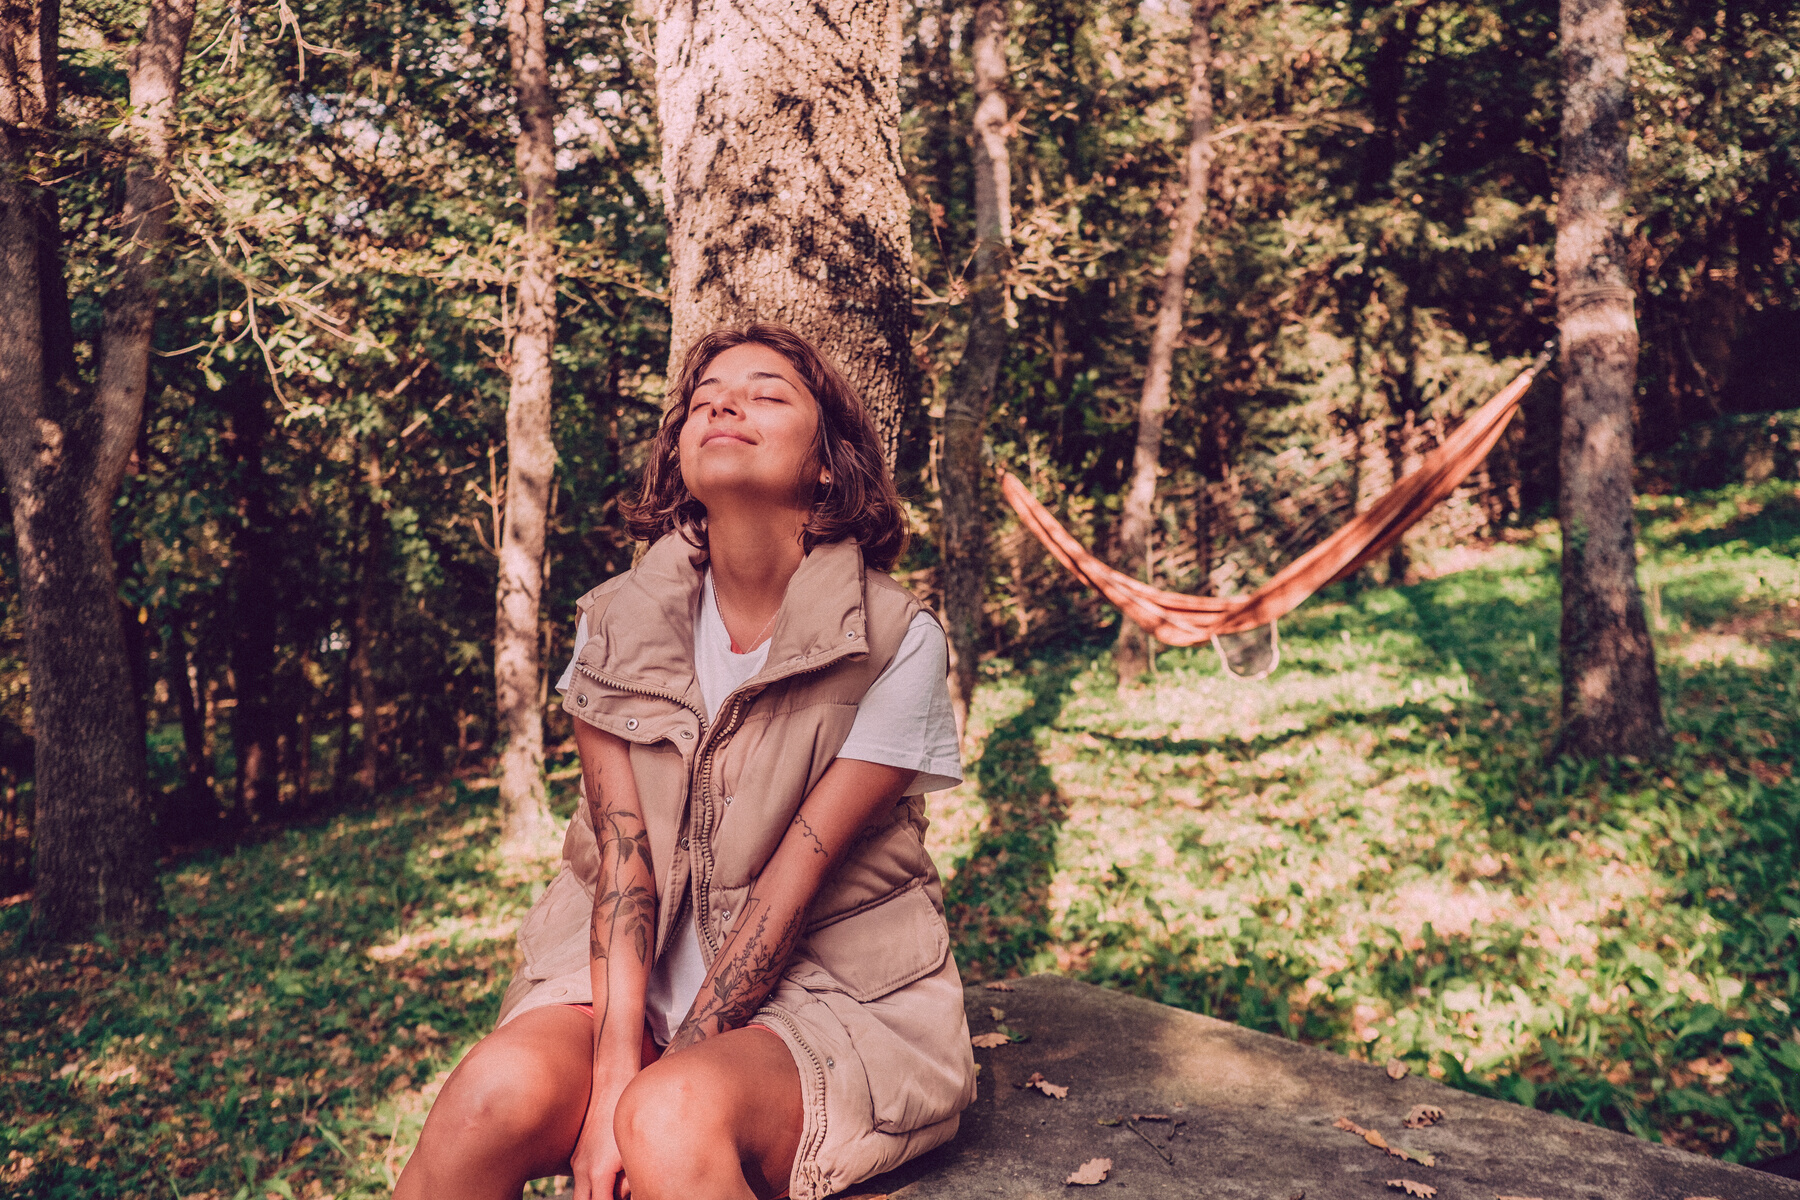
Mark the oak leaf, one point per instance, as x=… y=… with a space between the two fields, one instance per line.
x=1423 y=1190
x=1423 y=1115
x=999 y=1014
x=1052 y=1090
x=1091 y=1172
x=998 y=985
x=987 y=1041
x=1396 y=1069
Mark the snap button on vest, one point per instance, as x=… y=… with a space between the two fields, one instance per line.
x=850 y=633
x=631 y=722
x=684 y=843
x=581 y=699
x=687 y=733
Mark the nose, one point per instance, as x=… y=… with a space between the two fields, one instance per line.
x=724 y=400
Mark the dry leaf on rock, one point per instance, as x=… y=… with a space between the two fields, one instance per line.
x=1052 y=1090
x=1374 y=1138
x=987 y=1041
x=1091 y=1172
x=1110 y=1121
x=1412 y=1188
x=998 y=985
x=1423 y=1115
x=1149 y=1116
x=1396 y=1069
x=999 y=1014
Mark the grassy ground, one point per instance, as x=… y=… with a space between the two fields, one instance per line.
x=1367 y=852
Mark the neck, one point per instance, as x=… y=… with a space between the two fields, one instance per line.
x=752 y=560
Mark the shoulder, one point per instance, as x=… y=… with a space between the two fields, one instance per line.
x=594 y=601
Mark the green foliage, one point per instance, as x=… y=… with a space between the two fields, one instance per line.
x=286 y=1031
x=1369 y=851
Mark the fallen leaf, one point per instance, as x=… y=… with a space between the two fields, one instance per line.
x=987 y=1041
x=1374 y=1138
x=1091 y=1172
x=1149 y=1116
x=1052 y=1090
x=998 y=985
x=1109 y=1121
x=1518 y=1198
x=1424 y=1190
x=999 y=1014
x=1423 y=1115
x=1396 y=1069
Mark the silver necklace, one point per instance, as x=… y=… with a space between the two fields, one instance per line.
x=755 y=641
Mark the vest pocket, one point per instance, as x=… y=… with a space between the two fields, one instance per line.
x=885 y=946
x=553 y=939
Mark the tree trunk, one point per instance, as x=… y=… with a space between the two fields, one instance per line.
x=960 y=472
x=1610 y=700
x=63 y=447
x=529 y=827
x=1131 y=655
x=362 y=634
x=255 y=569
x=193 y=812
x=781 y=181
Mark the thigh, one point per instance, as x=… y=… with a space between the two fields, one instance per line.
x=750 y=1088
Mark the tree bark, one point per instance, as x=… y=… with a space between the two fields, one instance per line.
x=255 y=569
x=960 y=472
x=781 y=181
x=63 y=447
x=529 y=827
x=193 y=812
x=1610 y=700
x=1131 y=654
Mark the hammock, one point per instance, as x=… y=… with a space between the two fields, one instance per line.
x=1178 y=620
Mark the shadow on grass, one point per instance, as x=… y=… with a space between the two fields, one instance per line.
x=998 y=900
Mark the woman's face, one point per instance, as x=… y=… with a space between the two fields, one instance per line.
x=749 y=433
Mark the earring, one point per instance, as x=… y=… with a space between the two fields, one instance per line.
x=825 y=479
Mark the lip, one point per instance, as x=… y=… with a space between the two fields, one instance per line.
x=714 y=435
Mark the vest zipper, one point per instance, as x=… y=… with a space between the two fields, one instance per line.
x=703 y=770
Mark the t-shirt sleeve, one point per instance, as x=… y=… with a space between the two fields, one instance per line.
x=905 y=719
x=581 y=637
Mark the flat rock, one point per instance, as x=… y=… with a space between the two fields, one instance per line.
x=1259 y=1114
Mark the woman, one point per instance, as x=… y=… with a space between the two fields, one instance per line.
x=741 y=986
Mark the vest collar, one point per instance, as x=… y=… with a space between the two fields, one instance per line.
x=649 y=625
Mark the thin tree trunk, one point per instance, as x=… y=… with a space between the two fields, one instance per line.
x=781 y=181
x=529 y=827
x=255 y=569
x=194 y=811
x=1610 y=701
x=960 y=472
x=63 y=447
x=1131 y=655
x=368 y=700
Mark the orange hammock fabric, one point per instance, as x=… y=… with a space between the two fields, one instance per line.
x=1179 y=620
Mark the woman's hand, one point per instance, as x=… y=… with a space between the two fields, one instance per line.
x=599 y=1171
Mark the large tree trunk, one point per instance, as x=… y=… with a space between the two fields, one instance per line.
x=255 y=569
x=960 y=472
x=781 y=180
x=1610 y=703
x=1131 y=655
x=63 y=447
x=530 y=454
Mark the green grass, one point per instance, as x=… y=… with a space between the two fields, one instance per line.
x=1367 y=852
x=283 y=1035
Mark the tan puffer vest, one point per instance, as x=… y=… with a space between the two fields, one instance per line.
x=872 y=971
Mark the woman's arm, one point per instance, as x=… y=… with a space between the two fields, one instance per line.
x=847 y=797
x=621 y=941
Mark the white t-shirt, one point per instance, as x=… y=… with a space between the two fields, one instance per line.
x=904 y=720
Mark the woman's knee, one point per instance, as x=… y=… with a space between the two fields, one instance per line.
x=506 y=1090
x=667 y=1120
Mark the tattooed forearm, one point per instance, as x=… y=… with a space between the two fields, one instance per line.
x=624 y=898
x=812 y=839
x=750 y=965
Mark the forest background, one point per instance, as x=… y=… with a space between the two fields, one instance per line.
x=307 y=528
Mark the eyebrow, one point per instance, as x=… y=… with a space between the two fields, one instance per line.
x=753 y=375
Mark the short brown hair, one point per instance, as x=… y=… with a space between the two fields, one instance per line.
x=860 y=502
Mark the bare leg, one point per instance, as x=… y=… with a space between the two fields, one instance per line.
x=510 y=1112
x=717 y=1121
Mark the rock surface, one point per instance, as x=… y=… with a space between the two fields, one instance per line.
x=1259 y=1114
